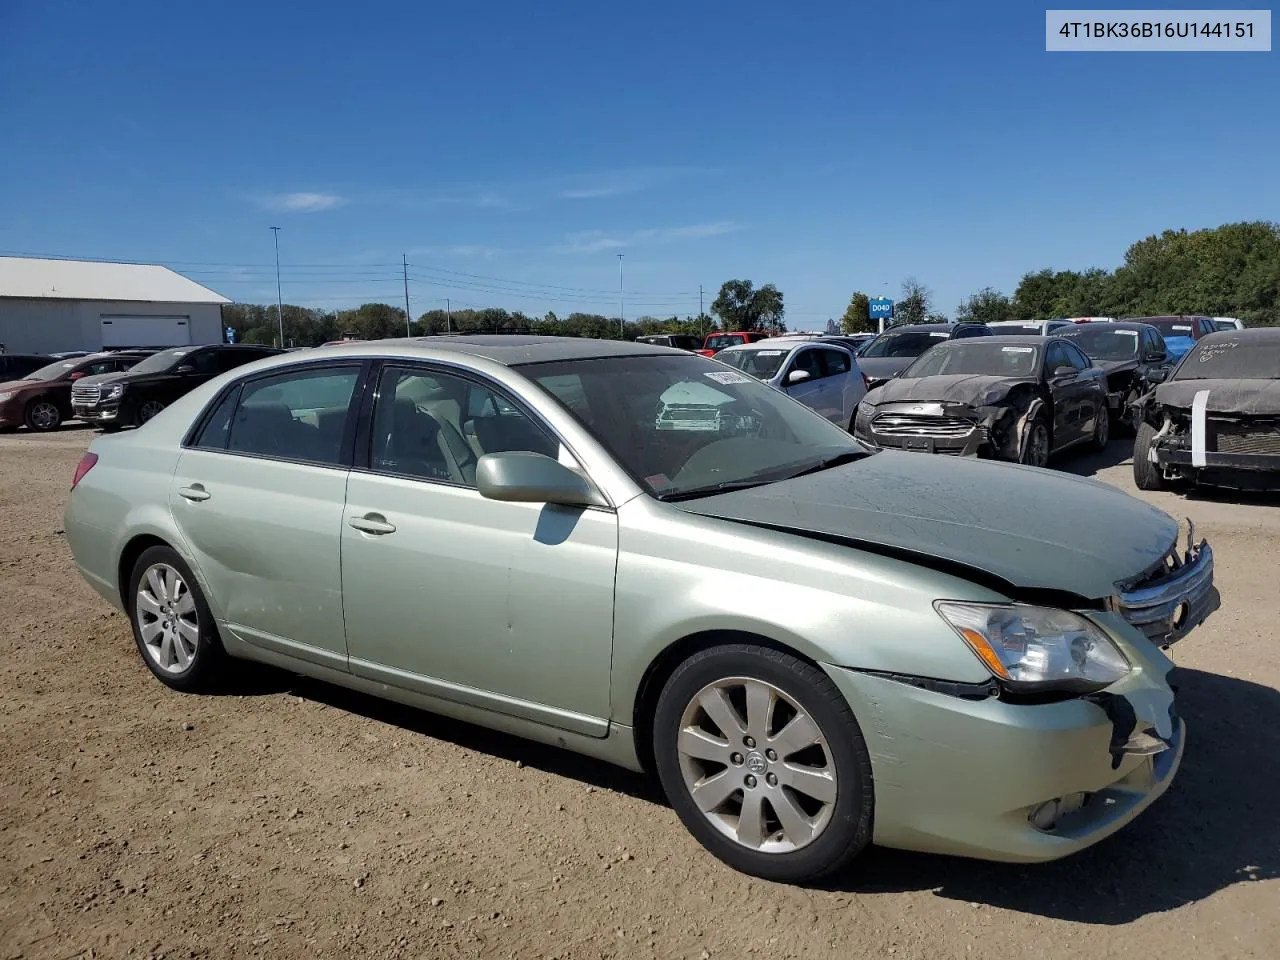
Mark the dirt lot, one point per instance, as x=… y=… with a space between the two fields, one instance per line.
x=292 y=819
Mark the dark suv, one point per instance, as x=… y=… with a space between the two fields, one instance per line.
x=131 y=398
x=15 y=366
x=894 y=350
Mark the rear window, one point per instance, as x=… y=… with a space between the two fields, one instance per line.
x=1232 y=358
x=721 y=341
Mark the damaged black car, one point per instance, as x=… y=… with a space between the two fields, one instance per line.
x=1216 y=421
x=1134 y=358
x=1005 y=398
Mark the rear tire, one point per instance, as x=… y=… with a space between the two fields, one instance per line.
x=778 y=765
x=172 y=624
x=1146 y=475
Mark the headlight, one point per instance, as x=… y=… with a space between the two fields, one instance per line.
x=6 y=396
x=866 y=409
x=113 y=391
x=992 y=396
x=1037 y=647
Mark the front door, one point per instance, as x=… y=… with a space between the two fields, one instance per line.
x=810 y=392
x=258 y=499
x=503 y=606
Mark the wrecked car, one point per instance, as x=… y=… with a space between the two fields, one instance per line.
x=1134 y=358
x=806 y=641
x=1216 y=420
x=1004 y=398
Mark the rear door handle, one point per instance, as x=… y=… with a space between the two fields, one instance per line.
x=374 y=523
x=194 y=492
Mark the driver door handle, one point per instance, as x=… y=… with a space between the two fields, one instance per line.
x=374 y=523
x=196 y=492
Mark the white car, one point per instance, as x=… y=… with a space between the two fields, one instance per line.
x=1027 y=328
x=823 y=376
x=1228 y=323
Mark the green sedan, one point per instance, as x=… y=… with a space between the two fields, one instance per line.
x=651 y=558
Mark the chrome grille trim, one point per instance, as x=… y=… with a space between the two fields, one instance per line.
x=917 y=425
x=1169 y=605
x=86 y=395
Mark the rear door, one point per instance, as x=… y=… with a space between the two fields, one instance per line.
x=258 y=496
x=842 y=390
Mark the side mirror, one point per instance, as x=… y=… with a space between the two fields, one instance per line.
x=1159 y=375
x=1157 y=358
x=1063 y=372
x=533 y=478
x=185 y=368
x=797 y=376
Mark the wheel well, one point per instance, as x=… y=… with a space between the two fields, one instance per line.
x=128 y=557
x=665 y=664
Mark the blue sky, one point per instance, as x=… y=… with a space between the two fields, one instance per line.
x=513 y=149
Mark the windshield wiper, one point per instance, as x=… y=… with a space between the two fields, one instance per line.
x=711 y=490
x=839 y=459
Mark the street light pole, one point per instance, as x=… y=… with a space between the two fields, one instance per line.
x=622 y=303
x=275 y=234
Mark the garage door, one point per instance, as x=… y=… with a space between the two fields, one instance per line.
x=118 y=331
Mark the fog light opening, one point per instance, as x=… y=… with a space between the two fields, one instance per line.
x=1045 y=816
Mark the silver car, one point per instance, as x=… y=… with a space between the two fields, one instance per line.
x=654 y=559
x=823 y=376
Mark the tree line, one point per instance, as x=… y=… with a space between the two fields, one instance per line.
x=739 y=306
x=1227 y=271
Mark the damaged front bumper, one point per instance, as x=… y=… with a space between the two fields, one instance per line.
x=952 y=429
x=1015 y=782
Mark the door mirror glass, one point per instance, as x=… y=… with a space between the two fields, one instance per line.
x=1067 y=371
x=533 y=478
x=797 y=376
x=185 y=369
x=1159 y=375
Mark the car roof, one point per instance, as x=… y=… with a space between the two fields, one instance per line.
x=1008 y=339
x=1110 y=325
x=778 y=343
x=1246 y=336
x=505 y=350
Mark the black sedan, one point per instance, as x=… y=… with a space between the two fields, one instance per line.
x=1132 y=355
x=1005 y=398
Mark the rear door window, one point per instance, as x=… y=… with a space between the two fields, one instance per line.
x=299 y=415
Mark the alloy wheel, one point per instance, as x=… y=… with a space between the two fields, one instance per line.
x=165 y=611
x=1038 y=446
x=149 y=410
x=757 y=765
x=44 y=416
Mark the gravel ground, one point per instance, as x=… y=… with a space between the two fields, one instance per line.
x=291 y=819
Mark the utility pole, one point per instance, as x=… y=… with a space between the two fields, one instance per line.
x=699 y=309
x=622 y=303
x=408 y=332
x=448 y=316
x=275 y=233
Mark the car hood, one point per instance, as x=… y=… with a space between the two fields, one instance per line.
x=1115 y=366
x=1030 y=528
x=882 y=368
x=1246 y=397
x=973 y=389
x=102 y=379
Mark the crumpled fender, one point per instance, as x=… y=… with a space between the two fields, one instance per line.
x=1023 y=430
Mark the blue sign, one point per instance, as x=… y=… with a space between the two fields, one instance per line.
x=880 y=308
x=231 y=335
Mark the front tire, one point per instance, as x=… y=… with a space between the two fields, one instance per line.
x=148 y=410
x=1036 y=451
x=763 y=761
x=172 y=624
x=1102 y=428
x=1146 y=475
x=43 y=416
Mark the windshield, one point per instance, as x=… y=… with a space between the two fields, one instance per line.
x=689 y=426
x=1225 y=325
x=980 y=357
x=724 y=340
x=1104 y=343
x=1231 y=358
x=54 y=370
x=1172 y=327
x=906 y=343
x=759 y=363
x=160 y=362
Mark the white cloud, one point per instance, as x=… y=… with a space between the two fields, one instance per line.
x=597 y=241
x=302 y=202
x=460 y=251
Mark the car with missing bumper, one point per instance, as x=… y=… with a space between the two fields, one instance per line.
x=809 y=647
x=1014 y=398
x=1216 y=420
x=1134 y=358
x=131 y=397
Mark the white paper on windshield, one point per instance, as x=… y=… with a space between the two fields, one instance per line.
x=1198 y=405
x=1187 y=329
x=727 y=376
x=940 y=336
x=1017 y=349
x=770 y=353
x=1126 y=333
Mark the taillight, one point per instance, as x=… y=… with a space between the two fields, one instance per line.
x=84 y=466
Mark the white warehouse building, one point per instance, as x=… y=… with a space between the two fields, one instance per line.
x=47 y=306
